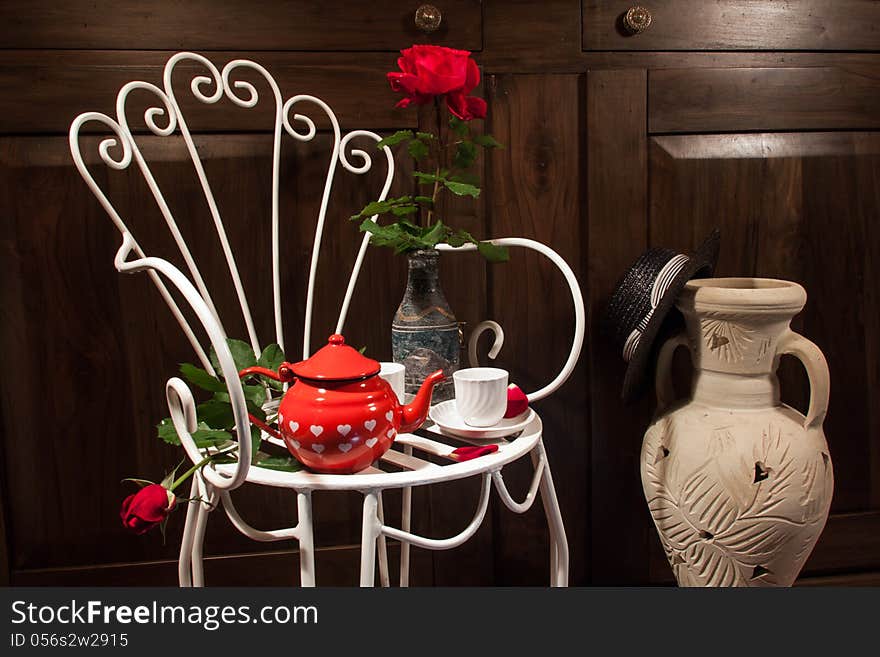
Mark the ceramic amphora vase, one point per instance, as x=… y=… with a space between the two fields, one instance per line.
x=738 y=484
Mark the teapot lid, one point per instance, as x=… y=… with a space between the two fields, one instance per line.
x=336 y=361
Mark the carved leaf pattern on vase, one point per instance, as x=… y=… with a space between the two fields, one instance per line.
x=726 y=338
x=722 y=522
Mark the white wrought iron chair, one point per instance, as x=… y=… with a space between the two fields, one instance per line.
x=217 y=482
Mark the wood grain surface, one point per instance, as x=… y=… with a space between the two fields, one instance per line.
x=253 y=25
x=736 y=25
x=758 y=117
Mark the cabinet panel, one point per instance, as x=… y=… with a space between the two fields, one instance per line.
x=51 y=89
x=735 y=25
x=732 y=99
x=253 y=25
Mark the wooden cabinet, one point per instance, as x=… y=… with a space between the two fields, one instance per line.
x=760 y=117
x=732 y=25
x=786 y=161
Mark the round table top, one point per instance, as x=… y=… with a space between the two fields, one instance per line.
x=409 y=470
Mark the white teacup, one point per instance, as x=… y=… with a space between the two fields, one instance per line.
x=481 y=395
x=395 y=374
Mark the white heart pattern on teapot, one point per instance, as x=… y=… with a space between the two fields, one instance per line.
x=316 y=430
x=344 y=447
x=343 y=429
x=294 y=426
x=295 y=443
x=369 y=425
x=389 y=415
x=317 y=448
x=371 y=441
x=390 y=433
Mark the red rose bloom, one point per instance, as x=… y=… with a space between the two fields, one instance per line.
x=427 y=72
x=147 y=508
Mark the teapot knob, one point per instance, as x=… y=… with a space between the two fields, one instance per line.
x=336 y=339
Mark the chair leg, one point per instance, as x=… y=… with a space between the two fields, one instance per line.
x=369 y=534
x=184 y=561
x=558 y=540
x=306 y=539
x=384 y=579
x=198 y=571
x=405 y=525
x=205 y=506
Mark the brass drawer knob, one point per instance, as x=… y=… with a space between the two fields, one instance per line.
x=637 y=19
x=428 y=18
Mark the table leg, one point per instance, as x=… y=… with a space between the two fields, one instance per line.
x=198 y=571
x=184 y=561
x=384 y=579
x=369 y=534
x=405 y=525
x=306 y=538
x=558 y=540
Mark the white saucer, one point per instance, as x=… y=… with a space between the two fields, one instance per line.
x=445 y=415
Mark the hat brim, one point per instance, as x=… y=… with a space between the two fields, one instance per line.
x=702 y=262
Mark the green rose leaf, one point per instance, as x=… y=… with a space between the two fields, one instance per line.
x=435 y=234
x=459 y=127
x=216 y=414
x=465 y=155
x=425 y=136
x=281 y=463
x=242 y=355
x=493 y=253
x=487 y=141
x=396 y=138
x=207 y=437
x=417 y=149
x=165 y=430
x=462 y=189
x=428 y=178
x=404 y=210
x=424 y=200
x=376 y=207
x=200 y=378
x=460 y=238
x=256 y=439
x=271 y=357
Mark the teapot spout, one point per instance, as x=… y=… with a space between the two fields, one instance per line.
x=414 y=414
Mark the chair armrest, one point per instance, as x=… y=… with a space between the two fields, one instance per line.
x=180 y=399
x=577 y=299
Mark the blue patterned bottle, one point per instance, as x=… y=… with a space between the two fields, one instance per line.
x=425 y=333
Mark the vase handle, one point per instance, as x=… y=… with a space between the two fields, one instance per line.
x=817 y=371
x=663 y=377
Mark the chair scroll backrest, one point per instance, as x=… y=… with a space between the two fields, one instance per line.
x=164 y=120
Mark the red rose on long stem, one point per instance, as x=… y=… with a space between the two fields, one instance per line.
x=428 y=72
x=147 y=508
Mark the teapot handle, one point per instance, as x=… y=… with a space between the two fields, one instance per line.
x=284 y=375
x=817 y=371
x=663 y=378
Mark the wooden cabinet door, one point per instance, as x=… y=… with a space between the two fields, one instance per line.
x=786 y=162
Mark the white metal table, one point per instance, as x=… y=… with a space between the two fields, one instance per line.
x=409 y=463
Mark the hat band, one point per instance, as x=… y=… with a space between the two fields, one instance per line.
x=661 y=285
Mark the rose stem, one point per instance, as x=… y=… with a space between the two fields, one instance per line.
x=440 y=151
x=198 y=465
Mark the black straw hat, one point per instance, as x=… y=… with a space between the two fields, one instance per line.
x=643 y=298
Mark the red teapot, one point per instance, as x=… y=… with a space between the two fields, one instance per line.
x=340 y=416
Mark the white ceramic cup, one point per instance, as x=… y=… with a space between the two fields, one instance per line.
x=481 y=395
x=395 y=374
